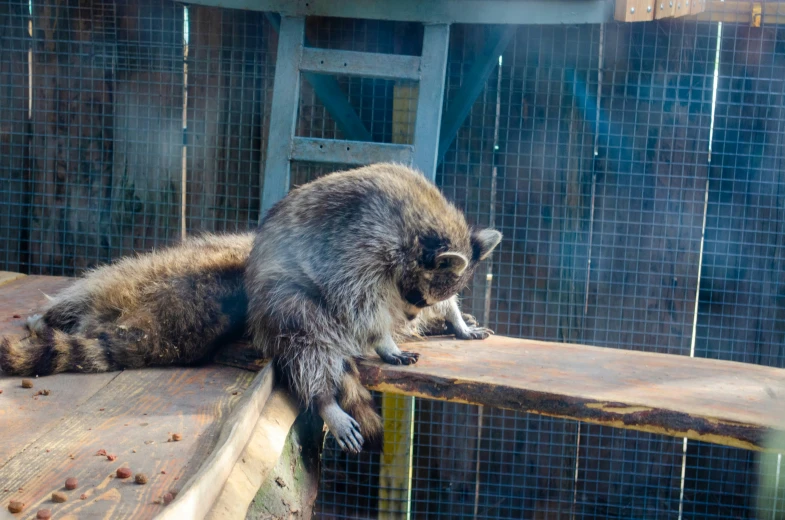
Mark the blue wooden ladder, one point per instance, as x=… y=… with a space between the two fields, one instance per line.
x=294 y=58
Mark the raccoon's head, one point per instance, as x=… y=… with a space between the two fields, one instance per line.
x=443 y=268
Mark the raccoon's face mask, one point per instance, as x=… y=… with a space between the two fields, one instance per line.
x=443 y=272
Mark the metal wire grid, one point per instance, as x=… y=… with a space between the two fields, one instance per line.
x=86 y=196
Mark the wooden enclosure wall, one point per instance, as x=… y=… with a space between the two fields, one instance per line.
x=602 y=211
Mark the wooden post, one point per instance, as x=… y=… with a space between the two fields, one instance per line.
x=395 y=473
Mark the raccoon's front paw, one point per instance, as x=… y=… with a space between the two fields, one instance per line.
x=470 y=320
x=347 y=432
x=402 y=358
x=473 y=332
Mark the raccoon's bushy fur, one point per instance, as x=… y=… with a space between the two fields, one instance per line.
x=348 y=264
x=172 y=306
x=344 y=266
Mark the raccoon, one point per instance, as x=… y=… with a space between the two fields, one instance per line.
x=174 y=306
x=350 y=264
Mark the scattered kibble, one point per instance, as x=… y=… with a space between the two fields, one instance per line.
x=168 y=498
x=140 y=478
x=177 y=437
x=124 y=472
x=163 y=472
x=71 y=483
x=111 y=457
x=27 y=383
x=16 y=506
x=43 y=392
x=101 y=409
x=59 y=497
x=101 y=453
x=43 y=514
x=83 y=496
x=17 y=316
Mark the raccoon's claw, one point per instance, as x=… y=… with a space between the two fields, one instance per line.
x=404 y=358
x=348 y=436
x=474 y=333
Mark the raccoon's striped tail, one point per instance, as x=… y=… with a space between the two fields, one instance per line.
x=49 y=351
x=356 y=400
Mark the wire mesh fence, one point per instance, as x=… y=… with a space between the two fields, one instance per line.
x=636 y=171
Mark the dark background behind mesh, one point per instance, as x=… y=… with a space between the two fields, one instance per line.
x=602 y=211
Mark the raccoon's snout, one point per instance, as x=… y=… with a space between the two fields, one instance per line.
x=416 y=298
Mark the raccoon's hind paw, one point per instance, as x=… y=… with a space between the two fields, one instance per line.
x=473 y=332
x=404 y=358
x=347 y=432
x=35 y=324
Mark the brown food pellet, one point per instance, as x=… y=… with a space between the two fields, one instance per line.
x=168 y=498
x=163 y=472
x=17 y=316
x=16 y=506
x=83 y=496
x=124 y=472
x=176 y=437
x=43 y=514
x=59 y=496
x=71 y=483
x=102 y=453
x=27 y=383
x=1 y=391
x=111 y=457
x=140 y=478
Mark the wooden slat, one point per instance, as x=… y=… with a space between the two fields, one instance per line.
x=365 y=64
x=347 y=152
x=715 y=401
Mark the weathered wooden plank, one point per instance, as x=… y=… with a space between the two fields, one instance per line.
x=347 y=152
x=8 y=277
x=258 y=459
x=719 y=402
x=201 y=491
x=132 y=417
x=23 y=296
x=438 y=11
x=365 y=64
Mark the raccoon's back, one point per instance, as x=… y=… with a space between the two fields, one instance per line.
x=127 y=283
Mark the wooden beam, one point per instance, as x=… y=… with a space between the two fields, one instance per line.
x=722 y=402
x=313 y=149
x=634 y=11
x=364 y=64
x=437 y=11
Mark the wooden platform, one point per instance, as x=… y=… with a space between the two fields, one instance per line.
x=131 y=414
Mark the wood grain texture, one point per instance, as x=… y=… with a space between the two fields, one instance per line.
x=131 y=414
x=201 y=490
x=258 y=459
x=8 y=277
x=720 y=402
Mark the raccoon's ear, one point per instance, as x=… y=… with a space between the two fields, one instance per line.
x=455 y=262
x=484 y=242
